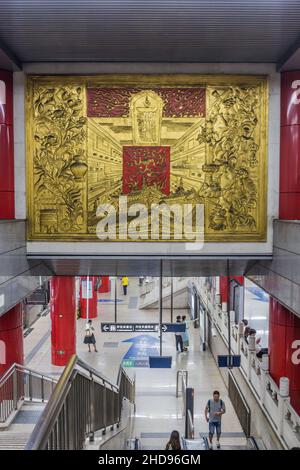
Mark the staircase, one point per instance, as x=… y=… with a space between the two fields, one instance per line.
x=23 y=396
x=150 y=298
x=15 y=437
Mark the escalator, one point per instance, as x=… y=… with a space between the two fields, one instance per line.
x=202 y=443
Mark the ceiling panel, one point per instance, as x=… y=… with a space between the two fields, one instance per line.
x=150 y=30
x=147 y=266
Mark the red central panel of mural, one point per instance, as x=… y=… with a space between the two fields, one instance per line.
x=146 y=167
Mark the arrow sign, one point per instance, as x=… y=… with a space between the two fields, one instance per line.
x=141 y=348
x=129 y=327
x=142 y=339
x=173 y=327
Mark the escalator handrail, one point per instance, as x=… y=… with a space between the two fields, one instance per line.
x=254 y=443
x=206 y=445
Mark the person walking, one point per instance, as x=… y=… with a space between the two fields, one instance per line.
x=178 y=337
x=89 y=337
x=125 y=283
x=185 y=334
x=174 y=442
x=214 y=410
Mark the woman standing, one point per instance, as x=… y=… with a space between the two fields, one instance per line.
x=174 y=442
x=89 y=337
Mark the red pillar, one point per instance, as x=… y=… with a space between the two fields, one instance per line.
x=11 y=338
x=289 y=200
x=224 y=288
x=284 y=348
x=63 y=316
x=7 y=204
x=88 y=297
x=105 y=284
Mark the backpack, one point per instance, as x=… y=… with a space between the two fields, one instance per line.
x=208 y=405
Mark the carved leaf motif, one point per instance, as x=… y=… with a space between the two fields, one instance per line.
x=231 y=136
x=59 y=142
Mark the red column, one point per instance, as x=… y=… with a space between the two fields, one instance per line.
x=224 y=288
x=105 y=284
x=277 y=340
x=11 y=338
x=293 y=358
x=88 y=297
x=289 y=200
x=284 y=348
x=7 y=204
x=63 y=316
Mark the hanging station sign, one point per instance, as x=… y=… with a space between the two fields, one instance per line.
x=141 y=327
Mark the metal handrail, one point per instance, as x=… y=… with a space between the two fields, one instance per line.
x=188 y=402
x=253 y=443
x=191 y=428
x=8 y=373
x=96 y=373
x=82 y=403
x=25 y=369
x=184 y=381
x=19 y=384
x=40 y=432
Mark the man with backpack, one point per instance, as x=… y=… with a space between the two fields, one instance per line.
x=214 y=410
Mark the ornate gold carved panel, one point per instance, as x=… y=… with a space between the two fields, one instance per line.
x=173 y=139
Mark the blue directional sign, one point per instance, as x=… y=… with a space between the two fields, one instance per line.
x=142 y=327
x=173 y=327
x=141 y=348
x=129 y=327
x=229 y=361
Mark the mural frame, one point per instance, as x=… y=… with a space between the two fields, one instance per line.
x=146 y=81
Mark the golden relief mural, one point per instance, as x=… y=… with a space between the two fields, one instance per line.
x=97 y=144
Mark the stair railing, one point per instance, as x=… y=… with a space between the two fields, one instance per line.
x=19 y=384
x=84 y=401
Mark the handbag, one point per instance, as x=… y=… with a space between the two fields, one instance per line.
x=88 y=332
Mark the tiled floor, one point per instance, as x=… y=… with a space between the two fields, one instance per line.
x=158 y=411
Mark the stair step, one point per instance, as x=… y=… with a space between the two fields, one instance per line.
x=13 y=440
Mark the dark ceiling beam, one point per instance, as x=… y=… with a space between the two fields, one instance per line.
x=10 y=55
x=288 y=54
